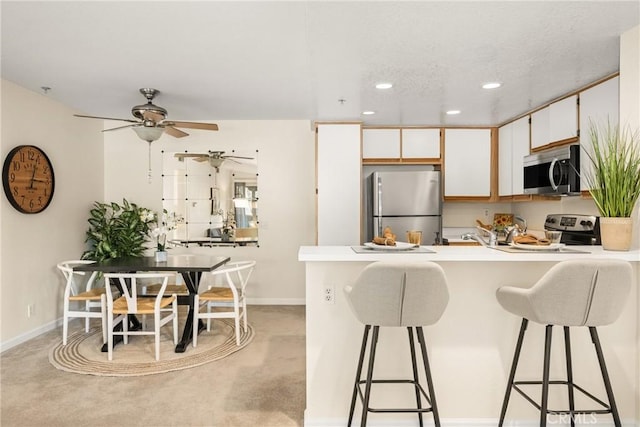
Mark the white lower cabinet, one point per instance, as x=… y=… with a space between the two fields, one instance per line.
x=338 y=184
x=467 y=163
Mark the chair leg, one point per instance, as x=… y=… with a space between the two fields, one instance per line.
x=87 y=308
x=427 y=370
x=209 y=317
x=545 y=376
x=103 y=312
x=156 y=327
x=175 y=320
x=567 y=351
x=237 y=323
x=367 y=390
x=414 y=366
x=110 y=335
x=605 y=377
x=363 y=349
x=196 y=310
x=65 y=322
x=512 y=374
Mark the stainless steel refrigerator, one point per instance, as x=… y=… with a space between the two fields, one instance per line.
x=404 y=200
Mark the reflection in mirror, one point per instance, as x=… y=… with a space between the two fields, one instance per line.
x=216 y=192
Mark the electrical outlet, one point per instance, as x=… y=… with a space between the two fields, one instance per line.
x=329 y=294
x=486 y=214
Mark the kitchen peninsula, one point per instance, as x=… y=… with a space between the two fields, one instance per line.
x=470 y=348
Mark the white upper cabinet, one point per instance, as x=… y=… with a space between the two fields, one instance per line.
x=555 y=123
x=338 y=184
x=467 y=163
x=420 y=143
x=513 y=145
x=381 y=144
x=598 y=104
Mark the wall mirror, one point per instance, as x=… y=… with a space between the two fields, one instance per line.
x=215 y=193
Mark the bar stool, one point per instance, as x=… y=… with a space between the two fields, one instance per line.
x=392 y=294
x=572 y=293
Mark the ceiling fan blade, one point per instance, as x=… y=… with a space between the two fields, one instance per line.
x=119 y=127
x=177 y=133
x=106 y=118
x=183 y=155
x=193 y=125
x=237 y=157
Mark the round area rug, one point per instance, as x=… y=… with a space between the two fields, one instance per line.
x=83 y=355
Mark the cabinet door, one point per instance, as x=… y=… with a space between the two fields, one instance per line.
x=598 y=104
x=381 y=144
x=420 y=143
x=519 y=149
x=467 y=160
x=563 y=119
x=338 y=184
x=505 y=160
x=540 y=123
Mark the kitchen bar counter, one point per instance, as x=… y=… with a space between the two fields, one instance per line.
x=470 y=348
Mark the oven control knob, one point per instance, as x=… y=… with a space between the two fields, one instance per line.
x=551 y=220
x=586 y=223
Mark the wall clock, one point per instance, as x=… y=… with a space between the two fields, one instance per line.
x=28 y=180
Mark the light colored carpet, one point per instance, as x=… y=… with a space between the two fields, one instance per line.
x=262 y=385
x=83 y=355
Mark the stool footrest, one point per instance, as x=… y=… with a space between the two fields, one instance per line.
x=606 y=410
x=416 y=384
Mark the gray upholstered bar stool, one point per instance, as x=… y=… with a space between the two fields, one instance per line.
x=397 y=294
x=586 y=293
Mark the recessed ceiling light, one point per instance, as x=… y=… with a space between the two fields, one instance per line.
x=452 y=112
x=384 y=86
x=368 y=113
x=491 y=85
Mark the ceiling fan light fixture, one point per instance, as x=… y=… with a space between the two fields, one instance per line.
x=148 y=133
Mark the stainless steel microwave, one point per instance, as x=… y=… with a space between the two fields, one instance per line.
x=554 y=171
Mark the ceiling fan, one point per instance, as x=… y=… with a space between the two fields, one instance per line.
x=215 y=158
x=151 y=120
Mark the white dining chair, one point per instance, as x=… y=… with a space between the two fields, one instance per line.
x=163 y=308
x=82 y=289
x=228 y=299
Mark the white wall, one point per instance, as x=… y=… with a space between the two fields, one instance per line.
x=32 y=245
x=286 y=188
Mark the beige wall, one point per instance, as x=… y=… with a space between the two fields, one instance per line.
x=286 y=187
x=31 y=245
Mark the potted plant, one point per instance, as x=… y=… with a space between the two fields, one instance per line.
x=117 y=230
x=614 y=181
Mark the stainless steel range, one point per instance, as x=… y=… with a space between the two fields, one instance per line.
x=576 y=229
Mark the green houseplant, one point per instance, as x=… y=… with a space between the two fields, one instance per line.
x=117 y=230
x=614 y=180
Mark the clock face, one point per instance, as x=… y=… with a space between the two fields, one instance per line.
x=27 y=178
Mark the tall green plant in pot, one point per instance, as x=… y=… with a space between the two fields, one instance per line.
x=117 y=230
x=614 y=181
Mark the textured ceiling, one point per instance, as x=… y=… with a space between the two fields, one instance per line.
x=296 y=60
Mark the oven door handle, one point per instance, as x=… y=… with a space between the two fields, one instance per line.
x=551 y=181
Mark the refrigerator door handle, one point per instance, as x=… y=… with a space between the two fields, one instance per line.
x=379 y=206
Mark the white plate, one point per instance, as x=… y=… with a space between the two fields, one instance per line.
x=551 y=247
x=400 y=246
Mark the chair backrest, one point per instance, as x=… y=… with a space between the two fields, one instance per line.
x=582 y=292
x=235 y=274
x=390 y=293
x=127 y=283
x=66 y=267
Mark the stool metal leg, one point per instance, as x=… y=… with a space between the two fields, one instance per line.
x=432 y=394
x=512 y=374
x=545 y=376
x=414 y=365
x=363 y=349
x=367 y=391
x=605 y=377
x=567 y=350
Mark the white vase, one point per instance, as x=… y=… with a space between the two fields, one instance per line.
x=161 y=256
x=615 y=233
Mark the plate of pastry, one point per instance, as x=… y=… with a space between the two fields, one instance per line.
x=538 y=247
x=399 y=246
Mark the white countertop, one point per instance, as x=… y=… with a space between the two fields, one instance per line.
x=457 y=253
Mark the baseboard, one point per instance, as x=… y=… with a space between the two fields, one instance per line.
x=276 y=301
x=460 y=422
x=6 y=345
